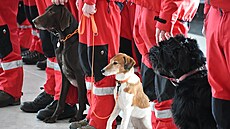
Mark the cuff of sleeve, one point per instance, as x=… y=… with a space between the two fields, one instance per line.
x=167 y=25
x=90 y=2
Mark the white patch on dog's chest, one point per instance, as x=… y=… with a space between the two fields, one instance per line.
x=123 y=99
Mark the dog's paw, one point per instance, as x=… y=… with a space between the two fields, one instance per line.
x=49 y=120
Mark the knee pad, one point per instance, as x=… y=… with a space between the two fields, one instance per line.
x=5 y=43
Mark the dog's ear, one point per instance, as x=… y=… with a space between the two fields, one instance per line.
x=128 y=62
x=65 y=18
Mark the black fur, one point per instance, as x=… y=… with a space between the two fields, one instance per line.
x=59 y=21
x=173 y=58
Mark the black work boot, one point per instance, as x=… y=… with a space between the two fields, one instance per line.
x=33 y=58
x=42 y=64
x=78 y=124
x=69 y=111
x=40 y=102
x=7 y=100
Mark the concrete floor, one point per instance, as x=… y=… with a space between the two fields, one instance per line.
x=13 y=118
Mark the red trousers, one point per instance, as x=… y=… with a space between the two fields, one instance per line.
x=218 y=50
x=11 y=71
x=36 y=44
x=106 y=43
x=144 y=35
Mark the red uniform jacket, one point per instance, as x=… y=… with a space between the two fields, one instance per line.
x=223 y=4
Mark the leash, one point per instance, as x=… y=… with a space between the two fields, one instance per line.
x=81 y=29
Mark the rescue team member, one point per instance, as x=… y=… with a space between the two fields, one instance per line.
x=11 y=70
x=217 y=27
x=24 y=28
x=162 y=18
x=106 y=45
x=35 y=53
x=127 y=44
x=46 y=101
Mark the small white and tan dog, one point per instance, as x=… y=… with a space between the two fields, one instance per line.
x=128 y=93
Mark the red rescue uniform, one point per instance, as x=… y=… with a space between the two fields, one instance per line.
x=218 y=58
x=170 y=16
x=11 y=70
x=106 y=45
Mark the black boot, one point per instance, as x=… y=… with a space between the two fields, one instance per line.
x=40 y=102
x=7 y=100
x=42 y=64
x=33 y=58
x=69 y=111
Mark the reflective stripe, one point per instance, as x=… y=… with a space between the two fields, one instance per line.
x=0 y=66
x=11 y=65
x=35 y=33
x=24 y=26
x=50 y=64
x=163 y=114
x=56 y=67
x=103 y=91
x=152 y=106
x=88 y=85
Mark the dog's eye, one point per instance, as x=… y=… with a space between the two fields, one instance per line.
x=115 y=63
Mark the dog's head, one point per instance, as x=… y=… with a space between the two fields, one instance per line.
x=56 y=18
x=120 y=63
x=176 y=56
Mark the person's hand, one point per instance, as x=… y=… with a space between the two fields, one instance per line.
x=58 y=2
x=77 y=4
x=162 y=35
x=88 y=9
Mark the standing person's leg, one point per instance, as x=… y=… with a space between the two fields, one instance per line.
x=106 y=46
x=35 y=52
x=46 y=97
x=218 y=50
x=157 y=87
x=11 y=76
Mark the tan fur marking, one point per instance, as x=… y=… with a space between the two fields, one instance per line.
x=140 y=99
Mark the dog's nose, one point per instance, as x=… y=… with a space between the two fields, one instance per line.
x=102 y=71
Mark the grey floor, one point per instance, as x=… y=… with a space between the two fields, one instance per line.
x=14 y=118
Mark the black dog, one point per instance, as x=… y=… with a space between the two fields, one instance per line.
x=180 y=60
x=59 y=21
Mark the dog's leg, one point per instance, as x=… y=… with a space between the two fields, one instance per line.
x=82 y=98
x=61 y=102
x=147 y=123
x=126 y=117
x=113 y=116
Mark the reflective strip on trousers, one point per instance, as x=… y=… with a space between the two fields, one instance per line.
x=152 y=106
x=11 y=65
x=50 y=64
x=35 y=33
x=103 y=91
x=56 y=67
x=24 y=26
x=88 y=85
x=163 y=113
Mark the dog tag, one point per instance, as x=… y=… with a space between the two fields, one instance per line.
x=58 y=44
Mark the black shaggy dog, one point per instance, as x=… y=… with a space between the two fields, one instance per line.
x=180 y=60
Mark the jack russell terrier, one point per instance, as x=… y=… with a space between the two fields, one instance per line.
x=128 y=93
